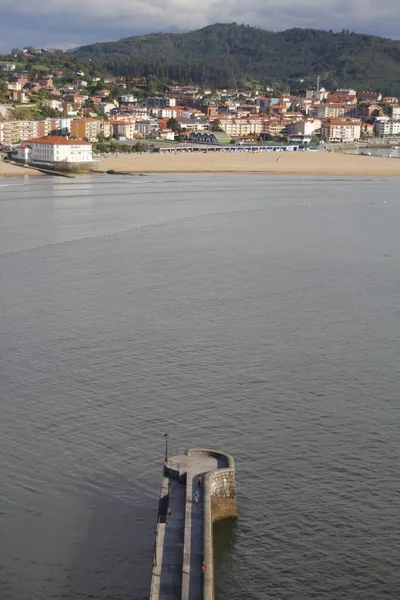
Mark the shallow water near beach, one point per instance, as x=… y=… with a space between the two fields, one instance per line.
x=257 y=315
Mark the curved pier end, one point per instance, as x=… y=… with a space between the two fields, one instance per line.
x=220 y=485
x=220 y=502
x=184 y=536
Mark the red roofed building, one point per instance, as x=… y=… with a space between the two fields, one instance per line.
x=55 y=151
x=342 y=98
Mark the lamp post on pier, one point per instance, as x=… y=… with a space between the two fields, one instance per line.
x=166 y=445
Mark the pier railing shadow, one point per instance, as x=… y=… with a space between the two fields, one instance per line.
x=113 y=557
x=197 y=542
x=168 y=556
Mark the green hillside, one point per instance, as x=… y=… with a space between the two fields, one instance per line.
x=228 y=54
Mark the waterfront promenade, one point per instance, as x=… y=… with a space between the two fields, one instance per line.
x=184 y=528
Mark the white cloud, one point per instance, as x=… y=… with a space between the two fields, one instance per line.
x=195 y=13
x=60 y=45
x=72 y=17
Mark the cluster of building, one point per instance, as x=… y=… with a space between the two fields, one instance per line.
x=197 y=115
x=22 y=86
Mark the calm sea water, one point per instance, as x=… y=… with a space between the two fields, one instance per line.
x=259 y=315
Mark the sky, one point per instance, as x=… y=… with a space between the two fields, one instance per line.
x=69 y=23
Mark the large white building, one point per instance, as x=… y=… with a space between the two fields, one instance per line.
x=241 y=127
x=105 y=107
x=386 y=126
x=330 y=111
x=125 y=129
x=341 y=130
x=128 y=99
x=55 y=151
x=395 y=111
x=304 y=129
x=164 y=113
x=15 y=132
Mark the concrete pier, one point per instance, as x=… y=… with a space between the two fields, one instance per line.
x=184 y=528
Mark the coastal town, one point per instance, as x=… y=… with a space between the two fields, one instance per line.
x=88 y=115
x=200 y=282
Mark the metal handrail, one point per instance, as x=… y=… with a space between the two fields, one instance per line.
x=172 y=465
x=181 y=450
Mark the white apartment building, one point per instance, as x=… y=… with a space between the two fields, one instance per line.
x=194 y=124
x=105 y=107
x=164 y=113
x=330 y=111
x=275 y=127
x=19 y=97
x=62 y=126
x=139 y=112
x=395 y=111
x=55 y=150
x=128 y=99
x=145 y=127
x=125 y=129
x=14 y=132
x=241 y=127
x=386 y=126
x=107 y=129
x=341 y=130
x=166 y=134
x=56 y=104
x=14 y=86
x=305 y=128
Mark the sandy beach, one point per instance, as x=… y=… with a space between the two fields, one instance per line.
x=7 y=170
x=298 y=163
x=290 y=163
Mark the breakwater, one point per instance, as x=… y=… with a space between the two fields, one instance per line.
x=183 y=562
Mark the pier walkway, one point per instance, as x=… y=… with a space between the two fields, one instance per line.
x=180 y=546
x=193 y=553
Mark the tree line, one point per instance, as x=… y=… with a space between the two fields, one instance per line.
x=231 y=55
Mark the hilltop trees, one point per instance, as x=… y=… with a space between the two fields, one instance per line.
x=232 y=56
x=229 y=55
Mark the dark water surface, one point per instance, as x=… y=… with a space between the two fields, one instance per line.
x=259 y=315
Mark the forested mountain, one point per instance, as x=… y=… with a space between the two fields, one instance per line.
x=230 y=54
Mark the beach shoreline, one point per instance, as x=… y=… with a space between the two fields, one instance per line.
x=285 y=163
x=10 y=170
